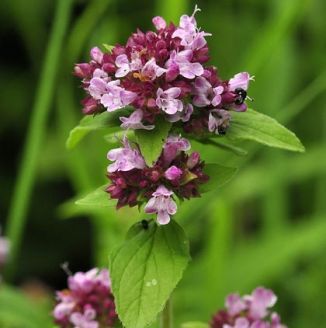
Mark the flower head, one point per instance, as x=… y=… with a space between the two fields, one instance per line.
x=174 y=173
x=249 y=311
x=163 y=73
x=88 y=301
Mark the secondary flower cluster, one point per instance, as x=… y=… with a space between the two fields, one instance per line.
x=4 y=251
x=87 y=303
x=249 y=311
x=174 y=173
x=163 y=73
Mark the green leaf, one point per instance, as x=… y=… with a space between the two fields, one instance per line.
x=17 y=310
x=92 y=123
x=97 y=198
x=151 y=141
x=218 y=176
x=108 y=47
x=145 y=269
x=224 y=146
x=195 y=325
x=251 y=125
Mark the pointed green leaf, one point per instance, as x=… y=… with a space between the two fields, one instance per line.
x=151 y=141
x=195 y=325
x=91 y=123
x=145 y=269
x=225 y=145
x=108 y=47
x=218 y=176
x=97 y=198
x=251 y=125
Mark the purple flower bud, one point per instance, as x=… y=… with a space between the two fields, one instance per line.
x=173 y=173
x=90 y=106
x=97 y=55
x=83 y=70
x=159 y=22
x=193 y=160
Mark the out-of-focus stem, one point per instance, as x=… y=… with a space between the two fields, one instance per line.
x=167 y=315
x=36 y=132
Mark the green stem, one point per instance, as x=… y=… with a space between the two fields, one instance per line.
x=167 y=315
x=36 y=132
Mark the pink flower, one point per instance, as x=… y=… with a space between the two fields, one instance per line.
x=184 y=116
x=122 y=62
x=159 y=22
x=63 y=310
x=240 y=80
x=260 y=300
x=249 y=311
x=167 y=100
x=125 y=66
x=84 y=320
x=217 y=95
x=239 y=323
x=88 y=301
x=235 y=304
x=151 y=70
x=134 y=121
x=173 y=173
x=4 y=250
x=202 y=91
x=205 y=94
x=116 y=97
x=173 y=146
x=191 y=37
x=125 y=158
x=182 y=62
x=162 y=204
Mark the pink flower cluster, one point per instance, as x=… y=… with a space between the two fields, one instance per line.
x=4 y=251
x=87 y=303
x=163 y=73
x=249 y=311
x=175 y=173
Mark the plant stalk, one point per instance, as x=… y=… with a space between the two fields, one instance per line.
x=167 y=315
x=36 y=133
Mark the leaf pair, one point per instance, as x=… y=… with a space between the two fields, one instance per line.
x=145 y=269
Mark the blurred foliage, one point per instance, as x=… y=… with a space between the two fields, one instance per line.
x=267 y=226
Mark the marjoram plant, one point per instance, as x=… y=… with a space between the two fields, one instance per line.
x=159 y=90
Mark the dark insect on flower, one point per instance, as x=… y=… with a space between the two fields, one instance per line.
x=145 y=224
x=241 y=96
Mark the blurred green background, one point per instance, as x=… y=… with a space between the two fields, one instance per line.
x=266 y=227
